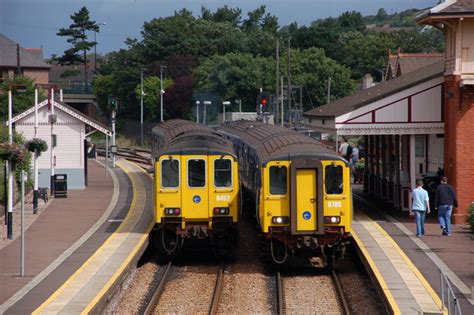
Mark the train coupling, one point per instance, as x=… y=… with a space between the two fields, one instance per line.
x=318 y=262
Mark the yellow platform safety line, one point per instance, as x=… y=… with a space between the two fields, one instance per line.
x=408 y=262
x=378 y=275
x=126 y=223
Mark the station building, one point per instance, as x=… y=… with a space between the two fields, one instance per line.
x=69 y=132
x=417 y=121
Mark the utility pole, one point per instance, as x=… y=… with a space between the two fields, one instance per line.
x=289 y=81
x=52 y=120
x=277 y=74
x=35 y=158
x=10 y=169
x=329 y=90
x=141 y=107
x=282 y=102
x=114 y=111
x=161 y=91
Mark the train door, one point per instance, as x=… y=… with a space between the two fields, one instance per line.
x=195 y=193
x=305 y=203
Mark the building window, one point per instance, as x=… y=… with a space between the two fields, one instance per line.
x=323 y=121
x=278 y=180
x=420 y=146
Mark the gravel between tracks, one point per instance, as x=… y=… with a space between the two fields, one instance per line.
x=313 y=294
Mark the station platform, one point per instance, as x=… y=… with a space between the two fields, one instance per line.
x=81 y=246
x=408 y=268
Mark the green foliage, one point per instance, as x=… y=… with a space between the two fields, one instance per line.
x=151 y=98
x=233 y=76
x=470 y=217
x=21 y=100
x=25 y=162
x=36 y=144
x=311 y=69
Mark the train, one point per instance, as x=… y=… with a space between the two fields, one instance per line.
x=301 y=190
x=196 y=187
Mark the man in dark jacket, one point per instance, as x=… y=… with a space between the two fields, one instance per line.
x=445 y=199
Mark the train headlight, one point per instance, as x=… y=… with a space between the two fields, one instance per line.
x=280 y=220
x=332 y=220
x=221 y=211
x=172 y=211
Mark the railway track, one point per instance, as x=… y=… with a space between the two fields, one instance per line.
x=140 y=156
x=166 y=294
x=319 y=294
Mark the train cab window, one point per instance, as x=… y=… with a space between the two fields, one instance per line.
x=278 y=180
x=333 y=181
x=222 y=173
x=196 y=173
x=170 y=173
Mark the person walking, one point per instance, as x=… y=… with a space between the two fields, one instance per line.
x=420 y=206
x=445 y=199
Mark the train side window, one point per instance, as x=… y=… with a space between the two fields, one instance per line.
x=196 y=173
x=333 y=181
x=170 y=173
x=222 y=173
x=278 y=180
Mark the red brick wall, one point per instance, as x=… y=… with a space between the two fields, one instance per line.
x=459 y=142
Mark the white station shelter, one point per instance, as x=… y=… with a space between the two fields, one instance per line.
x=69 y=131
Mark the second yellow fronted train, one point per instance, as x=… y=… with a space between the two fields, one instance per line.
x=302 y=191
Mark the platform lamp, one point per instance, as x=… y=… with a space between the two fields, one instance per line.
x=20 y=88
x=224 y=104
x=206 y=103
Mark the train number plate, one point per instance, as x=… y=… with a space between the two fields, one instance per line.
x=222 y=198
x=334 y=204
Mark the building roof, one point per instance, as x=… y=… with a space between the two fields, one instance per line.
x=29 y=57
x=363 y=97
x=402 y=63
x=448 y=8
x=68 y=110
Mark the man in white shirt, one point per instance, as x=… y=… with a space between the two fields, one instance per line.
x=343 y=147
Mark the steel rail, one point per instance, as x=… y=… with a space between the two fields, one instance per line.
x=279 y=292
x=158 y=291
x=340 y=293
x=216 y=295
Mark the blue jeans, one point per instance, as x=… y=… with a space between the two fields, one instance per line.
x=420 y=222
x=444 y=217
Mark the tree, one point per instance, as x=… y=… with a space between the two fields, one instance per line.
x=21 y=101
x=78 y=39
x=151 y=99
x=234 y=76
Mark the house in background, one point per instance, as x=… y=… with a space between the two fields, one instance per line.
x=402 y=63
x=30 y=61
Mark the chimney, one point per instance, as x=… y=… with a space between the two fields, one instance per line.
x=367 y=81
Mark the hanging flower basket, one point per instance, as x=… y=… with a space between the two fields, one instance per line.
x=36 y=144
x=12 y=152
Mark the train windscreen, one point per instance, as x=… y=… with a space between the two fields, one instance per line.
x=278 y=180
x=222 y=173
x=196 y=173
x=170 y=173
x=333 y=181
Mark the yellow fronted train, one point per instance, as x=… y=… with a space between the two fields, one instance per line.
x=197 y=187
x=302 y=191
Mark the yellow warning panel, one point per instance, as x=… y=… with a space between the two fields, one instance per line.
x=306 y=200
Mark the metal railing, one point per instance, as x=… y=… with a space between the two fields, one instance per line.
x=448 y=298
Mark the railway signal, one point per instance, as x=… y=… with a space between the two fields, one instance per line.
x=263 y=102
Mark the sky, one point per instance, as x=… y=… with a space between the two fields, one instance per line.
x=34 y=23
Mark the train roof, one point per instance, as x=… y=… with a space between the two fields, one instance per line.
x=187 y=137
x=273 y=142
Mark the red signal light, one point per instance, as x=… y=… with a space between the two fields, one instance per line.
x=264 y=101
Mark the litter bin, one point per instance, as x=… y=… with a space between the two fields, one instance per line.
x=60 y=185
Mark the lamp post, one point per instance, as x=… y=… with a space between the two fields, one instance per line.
x=197 y=111
x=161 y=91
x=142 y=94
x=205 y=113
x=95 y=47
x=224 y=104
